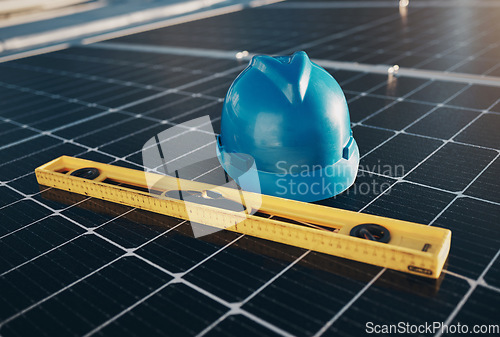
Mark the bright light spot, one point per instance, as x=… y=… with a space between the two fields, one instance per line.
x=241 y=54
x=404 y=3
x=393 y=70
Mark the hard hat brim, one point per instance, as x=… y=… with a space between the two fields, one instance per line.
x=307 y=185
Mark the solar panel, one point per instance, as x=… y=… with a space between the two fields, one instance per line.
x=71 y=265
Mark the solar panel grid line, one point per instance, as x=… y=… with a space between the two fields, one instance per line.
x=400 y=179
x=145 y=298
x=229 y=71
x=58 y=292
x=139 y=65
x=423 y=116
x=330 y=322
x=436 y=188
x=274 y=278
x=445 y=75
x=51 y=117
x=123 y=158
x=110 y=126
x=348 y=32
x=47 y=148
x=239 y=237
x=397 y=132
x=56 y=213
x=26 y=139
x=96 y=149
x=465 y=278
x=132 y=116
x=479 y=282
x=38 y=256
x=125 y=83
x=214 y=324
x=84 y=76
x=83 y=152
x=76 y=155
x=492 y=69
x=375 y=39
x=408 y=126
x=432 y=221
x=207 y=172
x=446 y=141
x=92 y=77
x=483 y=283
x=396 y=101
x=186 y=154
x=431 y=137
x=396 y=61
x=88 y=149
x=316 y=60
x=266 y=324
x=38 y=80
x=473 y=56
x=40 y=93
x=179 y=92
x=408 y=99
x=411 y=72
x=373 y=280
x=23 y=227
x=407 y=133
x=415 y=50
x=446 y=51
x=159 y=95
x=353 y=78
x=26 y=155
x=126 y=252
x=467 y=295
x=233 y=308
x=80 y=121
x=461 y=193
x=164 y=141
x=236 y=309
x=187 y=113
x=439 y=105
x=117 y=158
x=162 y=94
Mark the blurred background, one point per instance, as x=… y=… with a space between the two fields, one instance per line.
x=29 y=24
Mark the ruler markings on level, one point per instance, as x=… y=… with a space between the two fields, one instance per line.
x=409 y=247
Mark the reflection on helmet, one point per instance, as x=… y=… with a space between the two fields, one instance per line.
x=291 y=116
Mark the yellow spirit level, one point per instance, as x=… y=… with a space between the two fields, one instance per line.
x=390 y=243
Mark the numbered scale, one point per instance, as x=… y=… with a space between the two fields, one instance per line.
x=390 y=243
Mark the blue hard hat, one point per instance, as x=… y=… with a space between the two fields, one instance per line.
x=291 y=117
